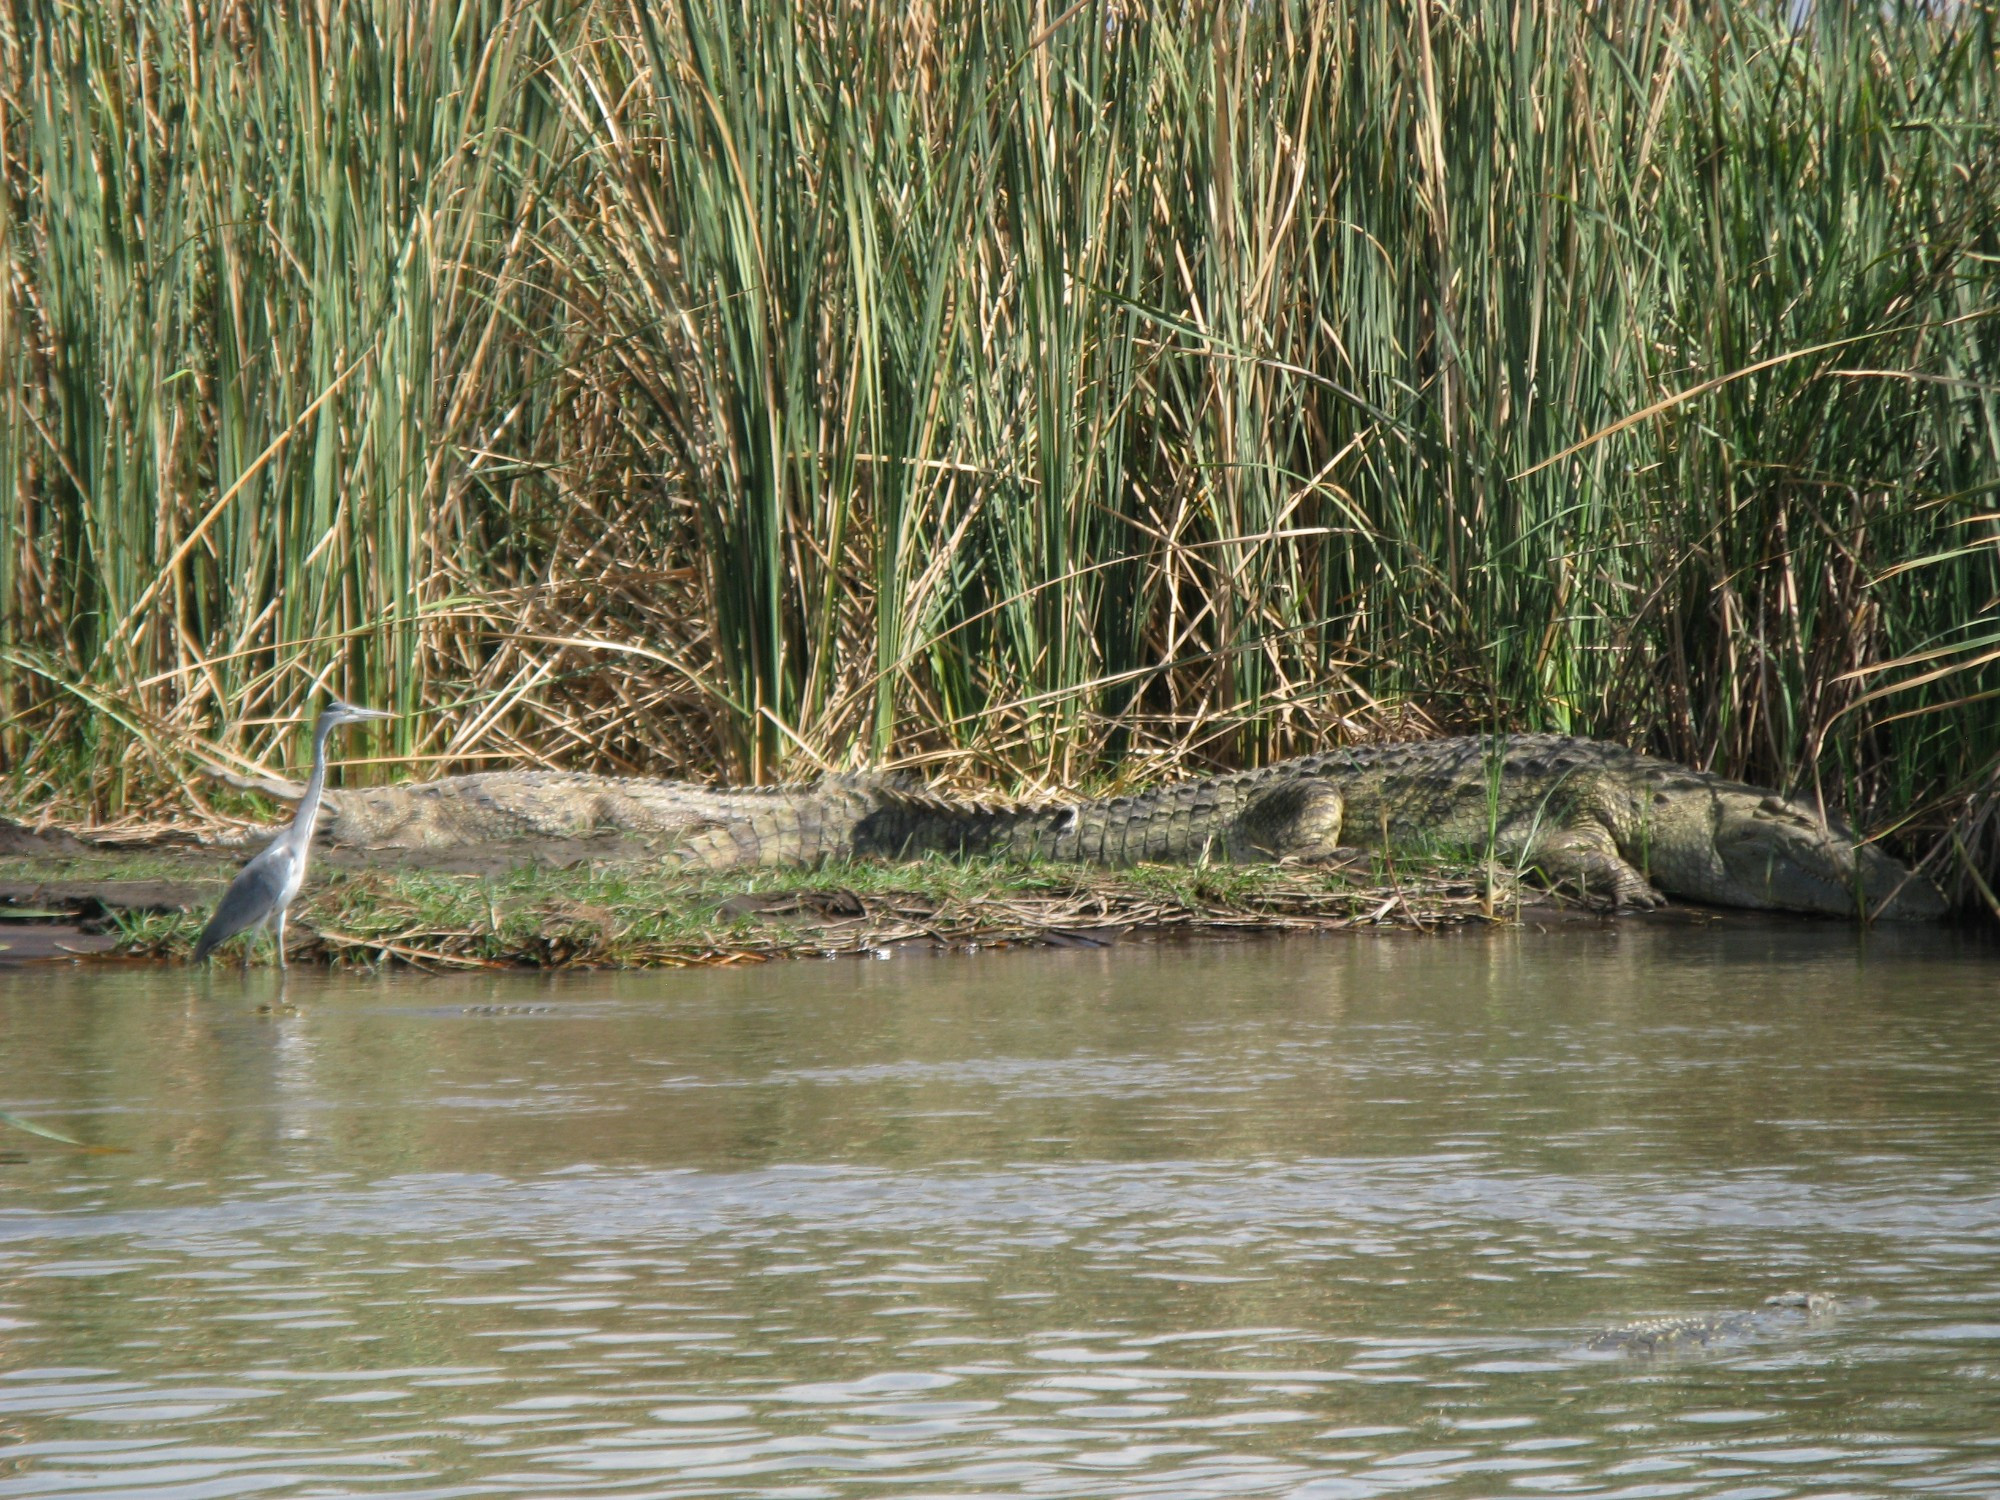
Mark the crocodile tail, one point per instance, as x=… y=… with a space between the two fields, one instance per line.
x=907 y=823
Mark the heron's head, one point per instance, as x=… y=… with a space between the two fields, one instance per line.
x=337 y=713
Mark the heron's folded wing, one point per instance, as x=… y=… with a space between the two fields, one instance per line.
x=252 y=896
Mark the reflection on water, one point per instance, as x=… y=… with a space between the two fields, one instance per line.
x=1306 y=1219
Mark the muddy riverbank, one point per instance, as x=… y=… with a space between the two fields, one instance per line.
x=610 y=903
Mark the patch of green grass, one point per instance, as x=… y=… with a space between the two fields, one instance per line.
x=626 y=915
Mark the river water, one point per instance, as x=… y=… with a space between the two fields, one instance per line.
x=1319 y=1218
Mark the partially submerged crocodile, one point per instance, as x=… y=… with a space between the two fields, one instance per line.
x=1621 y=827
x=1780 y=1316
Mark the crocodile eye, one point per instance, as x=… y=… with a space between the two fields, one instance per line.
x=1778 y=810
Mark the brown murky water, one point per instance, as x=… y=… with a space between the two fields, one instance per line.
x=1315 y=1219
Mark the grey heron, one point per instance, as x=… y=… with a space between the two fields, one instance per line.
x=261 y=892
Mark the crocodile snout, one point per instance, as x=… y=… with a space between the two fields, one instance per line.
x=1781 y=856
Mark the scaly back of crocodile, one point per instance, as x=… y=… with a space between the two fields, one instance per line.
x=1787 y=1313
x=701 y=827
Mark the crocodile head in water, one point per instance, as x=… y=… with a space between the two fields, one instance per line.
x=1776 y=854
x=1775 y=1317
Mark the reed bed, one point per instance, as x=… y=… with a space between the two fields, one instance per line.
x=1018 y=392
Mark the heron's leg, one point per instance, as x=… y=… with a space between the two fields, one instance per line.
x=278 y=926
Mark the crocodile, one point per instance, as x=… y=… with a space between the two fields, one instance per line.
x=1622 y=828
x=1778 y=1316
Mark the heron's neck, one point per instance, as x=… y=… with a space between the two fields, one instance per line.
x=308 y=814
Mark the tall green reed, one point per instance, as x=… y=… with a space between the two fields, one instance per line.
x=246 y=266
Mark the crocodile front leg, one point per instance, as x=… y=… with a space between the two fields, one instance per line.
x=1586 y=858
